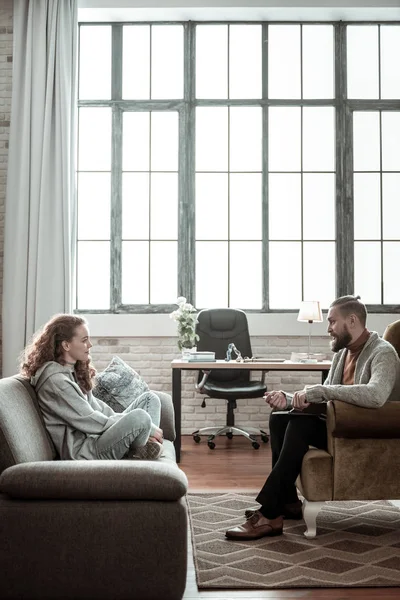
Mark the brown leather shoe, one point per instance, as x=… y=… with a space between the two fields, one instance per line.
x=292 y=511
x=253 y=529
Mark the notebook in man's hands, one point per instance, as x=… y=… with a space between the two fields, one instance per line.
x=314 y=410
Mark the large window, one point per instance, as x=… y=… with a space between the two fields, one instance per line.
x=245 y=165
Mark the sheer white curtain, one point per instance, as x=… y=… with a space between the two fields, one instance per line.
x=40 y=203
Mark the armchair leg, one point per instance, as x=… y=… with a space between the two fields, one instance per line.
x=310 y=513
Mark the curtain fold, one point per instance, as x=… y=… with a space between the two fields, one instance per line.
x=39 y=236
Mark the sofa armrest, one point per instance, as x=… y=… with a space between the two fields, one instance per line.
x=356 y=422
x=167 y=422
x=95 y=480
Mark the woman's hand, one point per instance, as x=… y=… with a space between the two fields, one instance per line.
x=276 y=399
x=158 y=436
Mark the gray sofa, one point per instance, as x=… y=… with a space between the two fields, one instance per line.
x=86 y=529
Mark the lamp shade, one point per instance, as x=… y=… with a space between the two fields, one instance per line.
x=310 y=310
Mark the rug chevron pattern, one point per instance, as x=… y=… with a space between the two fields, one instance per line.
x=357 y=545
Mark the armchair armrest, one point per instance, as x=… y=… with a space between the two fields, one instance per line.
x=94 y=480
x=350 y=421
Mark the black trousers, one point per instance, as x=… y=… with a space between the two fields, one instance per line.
x=290 y=438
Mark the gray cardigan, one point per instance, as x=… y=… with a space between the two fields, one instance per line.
x=376 y=377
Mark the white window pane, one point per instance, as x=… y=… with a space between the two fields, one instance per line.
x=94 y=139
x=391 y=205
x=367 y=206
x=284 y=135
x=391 y=279
x=318 y=61
x=95 y=62
x=362 y=61
x=245 y=50
x=167 y=61
x=211 y=282
x=391 y=141
x=366 y=141
x=135 y=273
x=319 y=206
x=367 y=271
x=94 y=191
x=284 y=201
x=284 y=61
x=211 y=206
x=390 y=52
x=319 y=272
x=136 y=62
x=245 y=209
x=164 y=141
x=242 y=255
x=135 y=206
x=93 y=270
x=284 y=274
x=135 y=141
x=319 y=138
x=163 y=272
x=211 y=61
x=164 y=206
x=245 y=139
x=212 y=139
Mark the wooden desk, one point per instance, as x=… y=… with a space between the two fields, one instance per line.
x=178 y=365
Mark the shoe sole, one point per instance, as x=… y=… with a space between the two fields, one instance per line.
x=271 y=533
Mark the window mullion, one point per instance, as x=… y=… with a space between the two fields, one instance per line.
x=116 y=171
x=344 y=179
x=264 y=192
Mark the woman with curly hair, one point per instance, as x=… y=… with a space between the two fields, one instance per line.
x=57 y=362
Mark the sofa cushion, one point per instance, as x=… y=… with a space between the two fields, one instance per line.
x=96 y=480
x=23 y=436
x=118 y=385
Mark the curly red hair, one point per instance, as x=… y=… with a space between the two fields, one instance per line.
x=46 y=346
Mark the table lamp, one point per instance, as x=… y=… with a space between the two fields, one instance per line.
x=310 y=310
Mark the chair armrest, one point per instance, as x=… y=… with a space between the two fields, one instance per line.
x=350 y=421
x=95 y=480
x=167 y=422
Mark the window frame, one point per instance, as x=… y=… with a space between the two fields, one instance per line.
x=344 y=109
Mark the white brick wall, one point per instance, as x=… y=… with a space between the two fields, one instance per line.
x=151 y=358
x=5 y=114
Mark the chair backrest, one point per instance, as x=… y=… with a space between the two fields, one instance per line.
x=23 y=436
x=218 y=327
x=392 y=335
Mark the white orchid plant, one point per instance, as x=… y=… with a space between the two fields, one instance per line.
x=186 y=318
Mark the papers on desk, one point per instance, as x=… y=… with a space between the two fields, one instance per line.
x=201 y=356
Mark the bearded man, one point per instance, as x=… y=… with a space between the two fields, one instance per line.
x=365 y=371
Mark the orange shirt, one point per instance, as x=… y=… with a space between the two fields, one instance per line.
x=352 y=354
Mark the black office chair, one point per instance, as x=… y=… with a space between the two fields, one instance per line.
x=217 y=328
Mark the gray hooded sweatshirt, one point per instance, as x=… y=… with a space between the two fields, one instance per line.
x=73 y=419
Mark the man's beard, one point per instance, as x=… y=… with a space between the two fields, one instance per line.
x=341 y=341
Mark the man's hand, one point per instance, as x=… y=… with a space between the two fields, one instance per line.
x=158 y=436
x=276 y=399
x=299 y=400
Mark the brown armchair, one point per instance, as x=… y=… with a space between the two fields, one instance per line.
x=363 y=457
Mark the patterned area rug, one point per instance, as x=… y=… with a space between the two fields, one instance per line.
x=357 y=544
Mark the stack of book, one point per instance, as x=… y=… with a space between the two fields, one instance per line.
x=201 y=357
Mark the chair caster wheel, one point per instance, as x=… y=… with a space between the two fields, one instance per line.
x=211 y=445
x=265 y=439
x=229 y=435
x=197 y=439
x=255 y=445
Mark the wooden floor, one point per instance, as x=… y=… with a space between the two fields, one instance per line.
x=234 y=464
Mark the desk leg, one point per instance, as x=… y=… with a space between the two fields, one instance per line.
x=177 y=401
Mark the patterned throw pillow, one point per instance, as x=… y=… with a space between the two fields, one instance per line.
x=119 y=385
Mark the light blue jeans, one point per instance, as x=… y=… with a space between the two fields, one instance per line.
x=133 y=429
